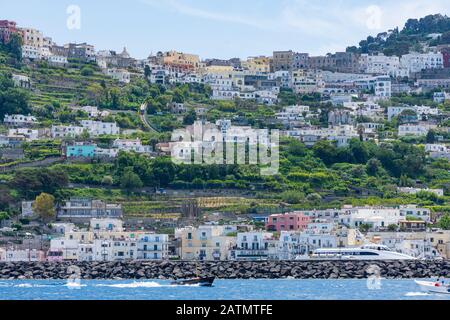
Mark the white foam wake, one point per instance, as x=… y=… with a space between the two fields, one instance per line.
x=415 y=294
x=132 y=285
x=148 y=284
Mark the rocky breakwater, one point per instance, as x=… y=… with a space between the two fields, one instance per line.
x=225 y=269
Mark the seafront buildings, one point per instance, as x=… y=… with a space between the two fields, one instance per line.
x=286 y=236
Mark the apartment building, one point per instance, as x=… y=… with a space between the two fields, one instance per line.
x=87 y=209
x=205 y=242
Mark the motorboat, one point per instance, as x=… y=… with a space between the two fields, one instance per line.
x=365 y=252
x=433 y=286
x=200 y=281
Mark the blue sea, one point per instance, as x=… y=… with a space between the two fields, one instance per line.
x=288 y=289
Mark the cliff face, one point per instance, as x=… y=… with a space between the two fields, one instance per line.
x=226 y=269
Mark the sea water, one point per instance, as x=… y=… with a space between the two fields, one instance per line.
x=287 y=289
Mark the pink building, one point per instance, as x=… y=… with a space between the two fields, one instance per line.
x=6 y=29
x=55 y=256
x=287 y=222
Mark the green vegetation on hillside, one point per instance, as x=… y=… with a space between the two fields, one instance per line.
x=411 y=38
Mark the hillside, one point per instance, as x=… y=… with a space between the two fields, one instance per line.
x=414 y=36
x=49 y=84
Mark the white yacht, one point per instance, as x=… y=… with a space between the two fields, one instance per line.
x=365 y=252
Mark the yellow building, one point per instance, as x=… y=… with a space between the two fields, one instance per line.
x=33 y=37
x=306 y=81
x=217 y=70
x=257 y=65
x=205 y=242
x=181 y=61
x=441 y=241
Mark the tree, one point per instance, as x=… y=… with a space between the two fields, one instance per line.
x=44 y=206
x=6 y=200
x=292 y=197
x=445 y=38
x=431 y=136
x=326 y=151
x=358 y=150
x=130 y=181
x=14 y=46
x=147 y=71
x=12 y=100
x=87 y=71
x=30 y=182
x=190 y=118
x=444 y=222
x=3 y=216
x=392 y=227
x=364 y=227
x=107 y=181
x=314 y=198
x=373 y=166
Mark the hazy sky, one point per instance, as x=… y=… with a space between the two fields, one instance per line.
x=218 y=28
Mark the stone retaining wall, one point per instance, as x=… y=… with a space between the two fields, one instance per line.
x=227 y=269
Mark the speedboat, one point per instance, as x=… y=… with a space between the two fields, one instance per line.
x=435 y=287
x=202 y=282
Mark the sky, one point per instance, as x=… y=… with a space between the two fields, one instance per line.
x=217 y=28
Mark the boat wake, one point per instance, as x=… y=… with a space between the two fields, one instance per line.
x=31 y=285
x=150 y=284
x=416 y=294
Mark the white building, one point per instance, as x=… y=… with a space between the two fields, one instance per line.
x=57 y=60
x=27 y=209
x=380 y=64
x=131 y=145
x=26 y=133
x=416 y=62
x=66 y=131
x=21 y=81
x=419 y=110
x=441 y=97
x=121 y=75
x=31 y=52
x=13 y=255
x=106 y=224
x=98 y=128
x=152 y=246
x=380 y=217
x=114 y=249
x=92 y=112
x=19 y=120
x=438 y=151
x=256 y=245
x=417 y=130
x=293 y=113
x=438 y=192
x=68 y=248
x=383 y=88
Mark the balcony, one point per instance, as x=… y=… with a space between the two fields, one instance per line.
x=251 y=253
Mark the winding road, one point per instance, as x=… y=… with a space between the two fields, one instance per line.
x=143 y=115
